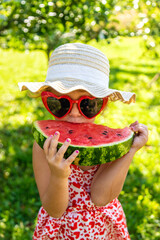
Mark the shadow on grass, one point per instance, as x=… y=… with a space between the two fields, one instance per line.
x=18 y=192
x=126 y=67
x=117 y=82
x=124 y=80
x=139 y=199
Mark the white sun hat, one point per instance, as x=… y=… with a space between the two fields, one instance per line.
x=75 y=66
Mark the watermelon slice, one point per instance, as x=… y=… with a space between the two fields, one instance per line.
x=97 y=144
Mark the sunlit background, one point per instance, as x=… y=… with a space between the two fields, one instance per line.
x=128 y=32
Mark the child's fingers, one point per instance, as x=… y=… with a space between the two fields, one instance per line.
x=62 y=150
x=134 y=124
x=139 y=128
x=47 y=144
x=71 y=158
x=141 y=136
x=142 y=130
x=53 y=144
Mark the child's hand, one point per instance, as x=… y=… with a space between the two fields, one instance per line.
x=59 y=166
x=141 y=136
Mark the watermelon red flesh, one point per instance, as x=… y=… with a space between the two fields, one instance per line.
x=97 y=143
x=84 y=134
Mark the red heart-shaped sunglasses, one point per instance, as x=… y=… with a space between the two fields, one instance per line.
x=59 y=107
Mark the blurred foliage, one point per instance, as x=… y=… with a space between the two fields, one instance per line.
x=141 y=18
x=130 y=71
x=47 y=24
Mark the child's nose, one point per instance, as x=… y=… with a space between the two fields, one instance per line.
x=75 y=111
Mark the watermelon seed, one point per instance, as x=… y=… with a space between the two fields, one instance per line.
x=105 y=133
x=47 y=127
x=89 y=137
x=118 y=134
x=70 y=131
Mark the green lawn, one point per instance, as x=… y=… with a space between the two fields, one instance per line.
x=131 y=70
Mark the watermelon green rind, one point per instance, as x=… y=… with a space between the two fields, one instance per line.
x=100 y=155
x=90 y=155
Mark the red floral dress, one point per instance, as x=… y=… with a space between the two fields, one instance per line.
x=83 y=220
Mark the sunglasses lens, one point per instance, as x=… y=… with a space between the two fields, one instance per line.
x=90 y=108
x=58 y=107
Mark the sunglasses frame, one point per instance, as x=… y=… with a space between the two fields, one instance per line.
x=46 y=94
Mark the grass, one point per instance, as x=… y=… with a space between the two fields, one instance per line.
x=131 y=70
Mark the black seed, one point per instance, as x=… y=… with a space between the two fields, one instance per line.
x=118 y=134
x=89 y=137
x=47 y=127
x=104 y=132
x=70 y=131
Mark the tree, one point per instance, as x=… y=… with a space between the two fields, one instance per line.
x=47 y=24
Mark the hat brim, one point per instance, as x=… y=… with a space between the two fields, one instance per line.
x=35 y=89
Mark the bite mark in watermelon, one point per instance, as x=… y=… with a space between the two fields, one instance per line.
x=97 y=144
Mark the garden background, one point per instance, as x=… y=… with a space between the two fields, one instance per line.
x=128 y=33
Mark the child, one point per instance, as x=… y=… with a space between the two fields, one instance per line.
x=79 y=202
